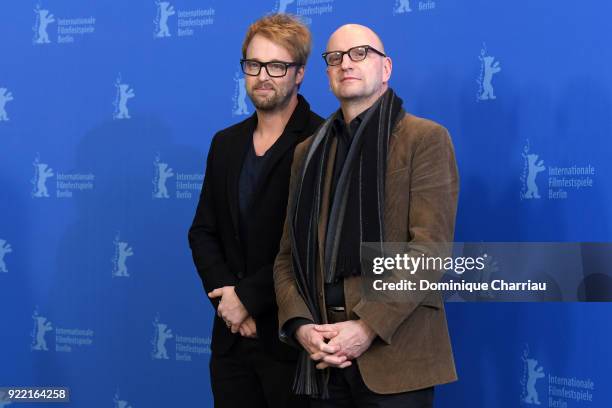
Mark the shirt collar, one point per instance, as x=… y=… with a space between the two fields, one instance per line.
x=340 y=125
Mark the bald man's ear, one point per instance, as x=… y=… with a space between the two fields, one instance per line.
x=387 y=68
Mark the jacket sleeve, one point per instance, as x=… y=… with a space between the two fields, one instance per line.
x=204 y=241
x=288 y=298
x=256 y=291
x=434 y=187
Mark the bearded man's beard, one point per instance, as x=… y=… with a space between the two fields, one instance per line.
x=277 y=99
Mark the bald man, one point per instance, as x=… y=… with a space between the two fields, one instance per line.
x=371 y=173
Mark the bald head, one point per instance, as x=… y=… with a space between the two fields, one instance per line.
x=358 y=78
x=351 y=35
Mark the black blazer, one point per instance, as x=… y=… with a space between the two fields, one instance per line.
x=218 y=253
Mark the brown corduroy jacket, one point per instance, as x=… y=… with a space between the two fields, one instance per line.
x=412 y=348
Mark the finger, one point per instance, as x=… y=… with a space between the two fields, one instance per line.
x=216 y=293
x=325 y=327
x=335 y=342
x=235 y=328
x=243 y=332
x=345 y=364
x=334 y=359
x=221 y=307
x=328 y=348
x=328 y=335
x=322 y=366
x=318 y=356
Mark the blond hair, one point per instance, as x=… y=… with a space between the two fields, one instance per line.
x=285 y=30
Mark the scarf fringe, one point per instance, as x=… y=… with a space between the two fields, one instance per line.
x=308 y=379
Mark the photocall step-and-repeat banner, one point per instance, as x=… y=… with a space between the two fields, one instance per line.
x=107 y=110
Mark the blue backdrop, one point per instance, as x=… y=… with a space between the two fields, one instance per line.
x=107 y=110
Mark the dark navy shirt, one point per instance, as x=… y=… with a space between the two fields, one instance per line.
x=249 y=179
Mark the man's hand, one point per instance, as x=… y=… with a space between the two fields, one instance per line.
x=230 y=308
x=315 y=343
x=248 y=328
x=353 y=338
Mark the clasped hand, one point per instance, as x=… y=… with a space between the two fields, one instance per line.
x=233 y=312
x=335 y=345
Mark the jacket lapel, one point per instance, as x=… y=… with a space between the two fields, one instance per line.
x=291 y=136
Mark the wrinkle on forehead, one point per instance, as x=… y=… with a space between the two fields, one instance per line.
x=351 y=35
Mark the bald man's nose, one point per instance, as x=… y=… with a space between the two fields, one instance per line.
x=347 y=62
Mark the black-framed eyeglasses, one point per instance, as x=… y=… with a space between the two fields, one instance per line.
x=275 y=69
x=358 y=53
